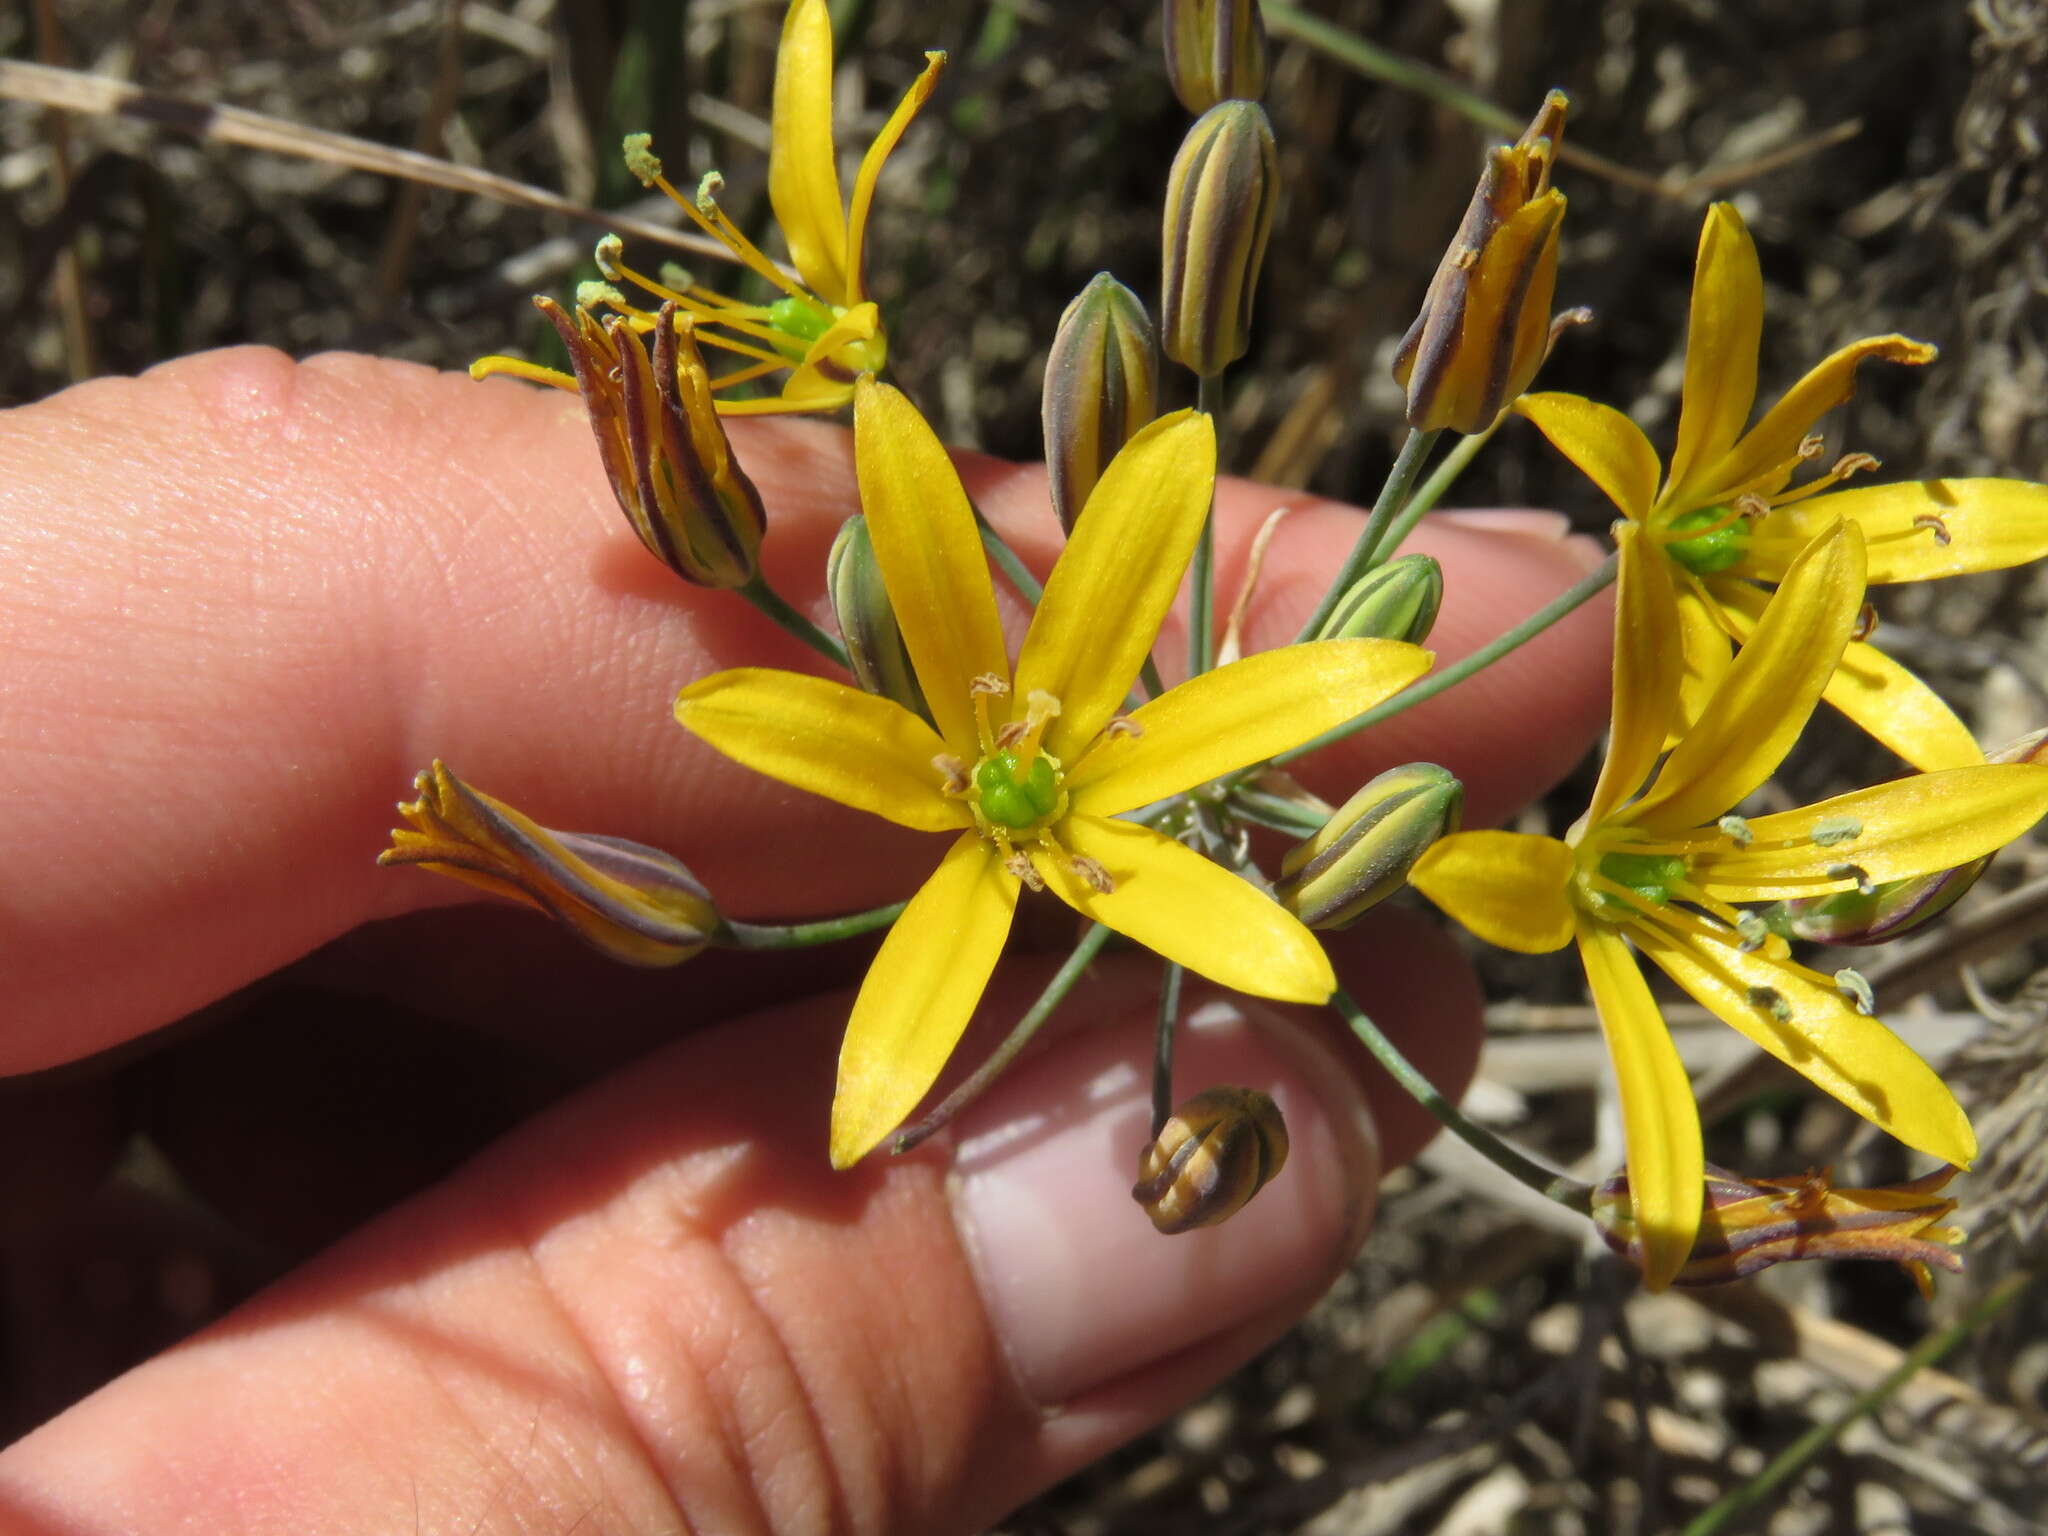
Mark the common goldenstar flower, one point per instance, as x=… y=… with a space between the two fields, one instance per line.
x=1656 y=864
x=1031 y=768
x=824 y=330
x=1729 y=517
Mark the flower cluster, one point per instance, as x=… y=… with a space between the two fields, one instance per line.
x=1067 y=771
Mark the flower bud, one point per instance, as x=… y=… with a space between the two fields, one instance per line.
x=635 y=903
x=1101 y=386
x=1219 y=213
x=1395 y=601
x=867 y=622
x=1750 y=1224
x=664 y=449
x=1215 y=51
x=1485 y=323
x=1364 y=852
x=1216 y=1151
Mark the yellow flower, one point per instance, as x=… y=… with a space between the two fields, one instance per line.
x=1655 y=863
x=1729 y=517
x=1031 y=768
x=825 y=330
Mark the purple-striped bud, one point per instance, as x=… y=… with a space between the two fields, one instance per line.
x=635 y=903
x=1215 y=51
x=1750 y=1224
x=1364 y=852
x=1485 y=324
x=1216 y=1151
x=1220 y=197
x=1101 y=388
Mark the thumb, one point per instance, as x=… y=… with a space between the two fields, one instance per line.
x=656 y=1308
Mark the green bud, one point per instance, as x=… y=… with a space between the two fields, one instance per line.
x=1215 y=51
x=1219 y=213
x=634 y=903
x=1396 y=601
x=867 y=621
x=1101 y=387
x=1364 y=852
x=1216 y=1151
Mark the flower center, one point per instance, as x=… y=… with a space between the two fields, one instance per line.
x=1706 y=540
x=1017 y=794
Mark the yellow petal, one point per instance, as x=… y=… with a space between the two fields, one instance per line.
x=867 y=752
x=1881 y=696
x=1660 y=1122
x=1762 y=704
x=871 y=171
x=1709 y=652
x=1721 y=341
x=1649 y=663
x=1236 y=715
x=1609 y=448
x=1107 y=596
x=1912 y=826
x=803 y=170
x=919 y=995
x=1508 y=887
x=1180 y=905
x=930 y=553
x=1821 y=1037
x=1773 y=443
x=1915 y=531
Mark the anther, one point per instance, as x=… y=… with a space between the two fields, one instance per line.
x=988 y=683
x=1934 y=525
x=1092 y=873
x=1811 y=446
x=1853 y=464
x=1018 y=863
x=1736 y=830
x=1123 y=725
x=1750 y=505
x=1011 y=734
x=1855 y=872
x=1852 y=985
x=1752 y=931
x=952 y=774
x=1866 y=623
x=708 y=187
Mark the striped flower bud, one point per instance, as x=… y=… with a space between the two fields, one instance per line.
x=1101 y=386
x=664 y=449
x=1364 y=852
x=1216 y=1151
x=1896 y=907
x=1485 y=323
x=1219 y=213
x=1395 y=601
x=1215 y=51
x=1750 y=1224
x=634 y=903
x=867 y=621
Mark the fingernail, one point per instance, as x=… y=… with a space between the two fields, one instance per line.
x=1080 y=1288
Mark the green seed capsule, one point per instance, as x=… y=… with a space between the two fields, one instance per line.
x=1219 y=213
x=1364 y=852
x=1101 y=387
x=1215 y=51
x=867 y=621
x=1217 y=1150
x=1398 y=601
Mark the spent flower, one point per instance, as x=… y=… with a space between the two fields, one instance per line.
x=1030 y=769
x=1659 y=861
x=1213 y=1154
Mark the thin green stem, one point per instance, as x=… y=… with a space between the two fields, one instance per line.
x=1795 y=1456
x=1400 y=480
x=1202 y=573
x=1586 y=587
x=1430 y=492
x=827 y=930
x=770 y=602
x=1282 y=815
x=1006 y=561
x=1551 y=1183
x=999 y=1060
x=1162 y=1047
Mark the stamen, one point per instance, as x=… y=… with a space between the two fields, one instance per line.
x=1018 y=863
x=1089 y=870
x=1832 y=831
x=1040 y=710
x=1855 y=872
x=981 y=689
x=1812 y=445
x=1753 y=930
x=953 y=778
x=1939 y=528
x=1866 y=623
x=1737 y=830
x=1852 y=985
x=1123 y=725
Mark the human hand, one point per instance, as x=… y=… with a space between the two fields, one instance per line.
x=245 y=600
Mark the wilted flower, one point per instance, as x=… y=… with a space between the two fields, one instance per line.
x=1395 y=601
x=1220 y=197
x=1728 y=517
x=1214 y=1153
x=1485 y=323
x=1750 y=1224
x=1215 y=51
x=1101 y=386
x=1658 y=862
x=1032 y=770
x=635 y=903
x=824 y=331
x=1363 y=854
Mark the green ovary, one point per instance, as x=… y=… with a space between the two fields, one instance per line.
x=1008 y=803
x=1721 y=540
x=803 y=319
x=1652 y=876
